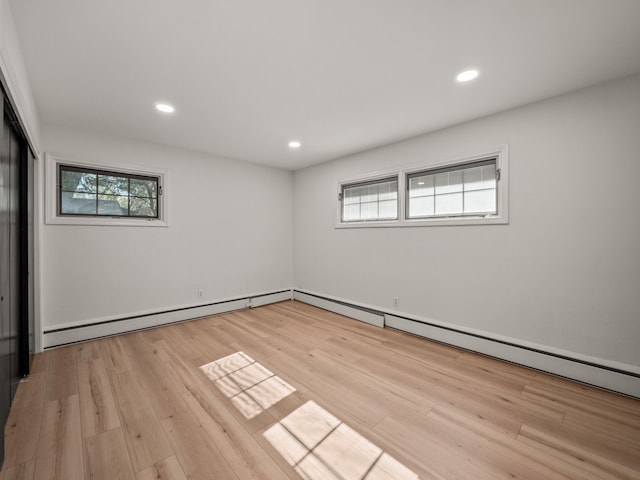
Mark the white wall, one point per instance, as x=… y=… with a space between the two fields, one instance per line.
x=564 y=274
x=230 y=235
x=14 y=77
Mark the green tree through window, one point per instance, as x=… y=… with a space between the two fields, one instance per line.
x=90 y=192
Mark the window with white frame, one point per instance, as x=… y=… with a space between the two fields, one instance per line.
x=469 y=189
x=93 y=192
x=368 y=201
x=102 y=194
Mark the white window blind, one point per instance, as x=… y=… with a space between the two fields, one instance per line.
x=460 y=190
x=370 y=201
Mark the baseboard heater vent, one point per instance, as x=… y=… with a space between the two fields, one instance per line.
x=57 y=337
x=343 y=308
x=625 y=381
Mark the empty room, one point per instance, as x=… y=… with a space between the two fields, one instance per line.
x=320 y=240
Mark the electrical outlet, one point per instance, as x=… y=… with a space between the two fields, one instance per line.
x=200 y=293
x=396 y=302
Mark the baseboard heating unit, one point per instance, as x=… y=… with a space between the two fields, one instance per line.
x=104 y=327
x=619 y=378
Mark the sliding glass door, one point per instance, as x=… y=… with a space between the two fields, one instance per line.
x=16 y=261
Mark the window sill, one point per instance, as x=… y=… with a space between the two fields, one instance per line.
x=106 y=221
x=428 y=222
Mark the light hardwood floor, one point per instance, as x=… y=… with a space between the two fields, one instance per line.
x=137 y=406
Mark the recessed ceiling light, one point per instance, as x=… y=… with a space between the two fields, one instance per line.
x=294 y=144
x=165 y=108
x=467 y=75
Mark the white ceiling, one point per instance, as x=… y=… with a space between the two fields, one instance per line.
x=247 y=76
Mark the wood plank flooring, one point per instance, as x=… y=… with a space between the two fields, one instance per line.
x=138 y=407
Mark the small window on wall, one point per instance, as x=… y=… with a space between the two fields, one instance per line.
x=88 y=194
x=86 y=191
x=370 y=201
x=467 y=191
x=457 y=191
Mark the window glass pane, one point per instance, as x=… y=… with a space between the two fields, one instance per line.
x=388 y=209
x=473 y=179
x=448 y=182
x=351 y=213
x=421 y=206
x=478 y=178
x=414 y=185
x=356 y=194
x=113 y=205
x=373 y=201
x=350 y=197
x=143 y=207
x=449 y=204
x=113 y=185
x=369 y=193
x=144 y=188
x=369 y=210
x=480 y=201
x=423 y=185
x=78 y=181
x=489 y=176
x=387 y=192
x=78 y=203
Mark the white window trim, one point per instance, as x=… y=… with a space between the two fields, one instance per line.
x=372 y=177
x=51 y=198
x=502 y=164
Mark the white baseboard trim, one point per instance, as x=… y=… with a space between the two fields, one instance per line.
x=597 y=375
x=348 y=310
x=601 y=373
x=104 y=327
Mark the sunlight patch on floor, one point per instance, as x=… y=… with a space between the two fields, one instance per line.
x=320 y=447
x=251 y=387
